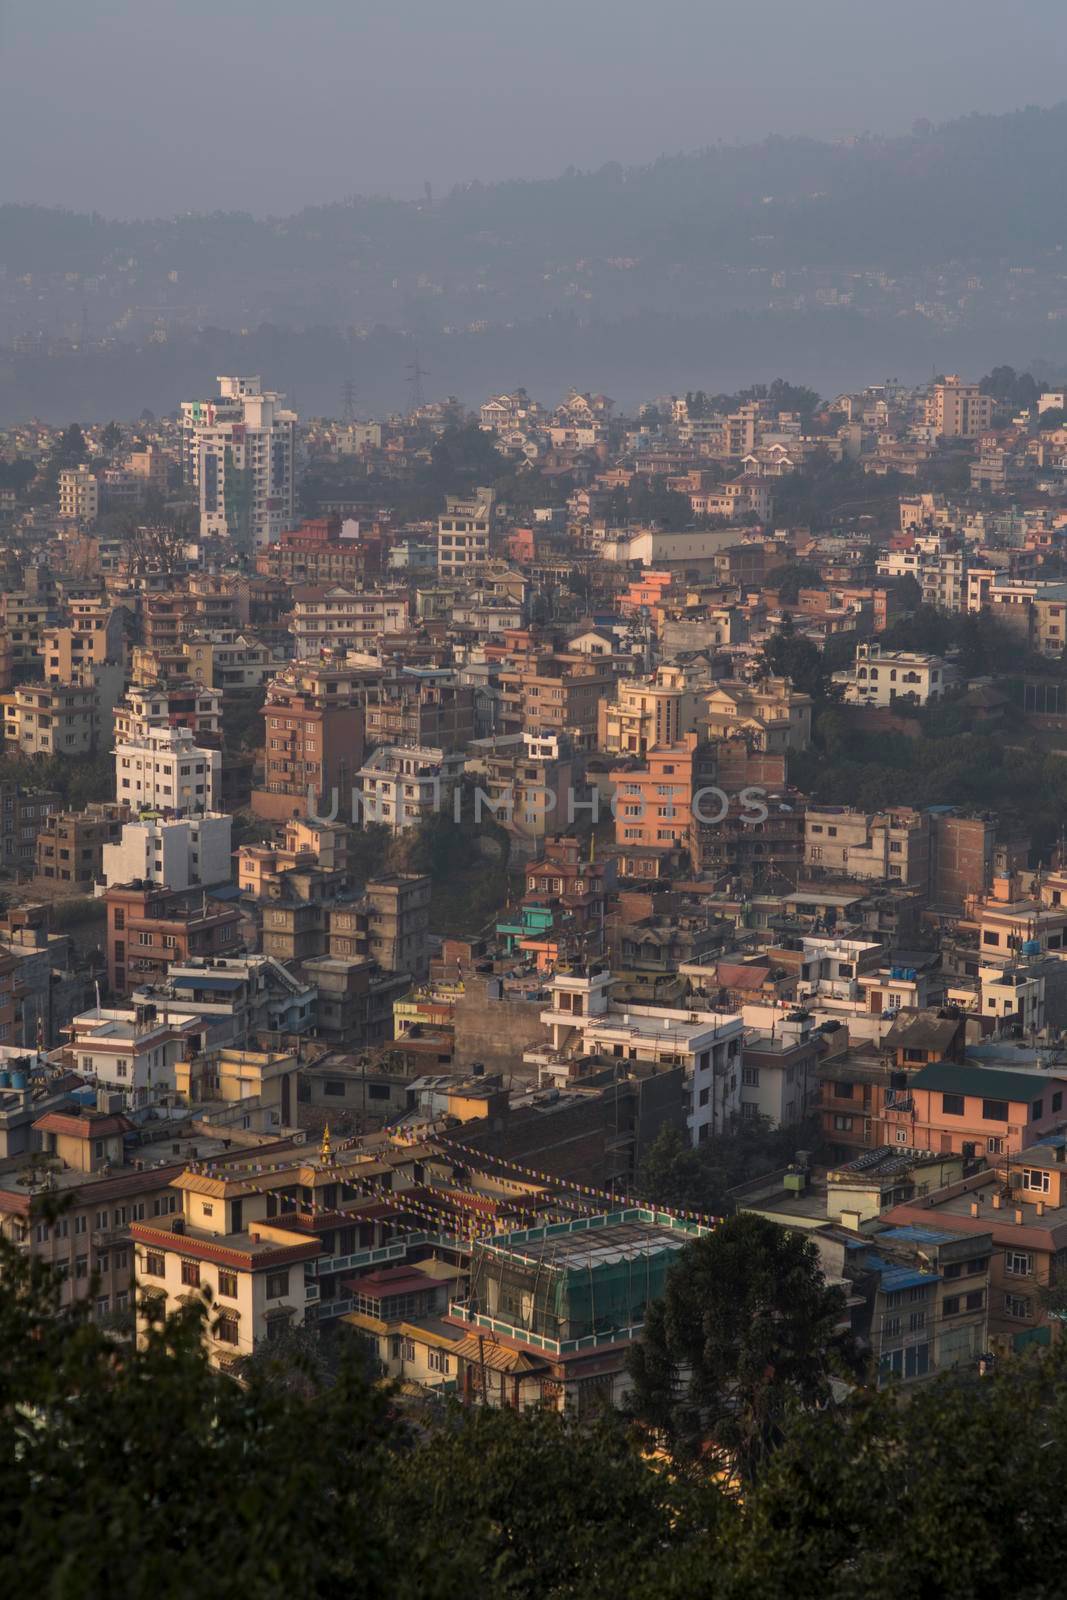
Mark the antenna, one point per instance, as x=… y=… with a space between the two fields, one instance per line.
x=418 y=372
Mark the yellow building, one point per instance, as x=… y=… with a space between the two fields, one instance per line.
x=651 y=711
x=774 y=715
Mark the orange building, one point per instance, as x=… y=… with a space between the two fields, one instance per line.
x=653 y=803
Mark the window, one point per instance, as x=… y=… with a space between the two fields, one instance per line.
x=994 y=1111
x=1017 y=1305
x=228 y=1284
x=438 y=1361
x=155 y=1265
x=843 y=1091
x=951 y=1305
x=994 y=1146
x=191 y=1274
x=890 y=1327
x=277 y=1285
x=334 y=1086
x=1019 y=1263
x=975 y=1300
x=952 y=1105
x=81 y=1266
x=750 y=1077
x=705 y=1096
x=226 y=1327
x=1037 y=1110
x=1057 y=1100
x=1036 y=1179
x=843 y=1124
x=917 y=1321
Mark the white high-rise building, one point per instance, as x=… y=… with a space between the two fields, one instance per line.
x=179 y=852
x=166 y=771
x=239 y=451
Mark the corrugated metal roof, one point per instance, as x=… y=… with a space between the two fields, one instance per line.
x=913 y=1234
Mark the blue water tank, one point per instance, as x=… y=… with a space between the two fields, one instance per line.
x=1031 y=947
x=5 y=1080
x=18 y=1080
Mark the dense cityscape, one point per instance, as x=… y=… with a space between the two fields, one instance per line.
x=481 y=888
x=533 y=801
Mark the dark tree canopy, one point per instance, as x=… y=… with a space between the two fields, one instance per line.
x=747 y=1332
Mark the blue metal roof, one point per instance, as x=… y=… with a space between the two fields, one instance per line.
x=896 y=1277
x=203 y=980
x=913 y=1234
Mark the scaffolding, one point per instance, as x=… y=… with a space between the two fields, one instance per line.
x=587 y=1280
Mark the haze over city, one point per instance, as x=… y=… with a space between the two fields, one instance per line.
x=262 y=106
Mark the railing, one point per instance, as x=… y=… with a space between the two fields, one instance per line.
x=476 y=1319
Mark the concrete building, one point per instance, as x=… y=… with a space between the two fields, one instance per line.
x=313 y=744
x=236 y=998
x=239 y=453
x=778 y=1078
x=52 y=719
x=654 y=804
x=958 y=410
x=260 y=1282
x=167 y=771
x=70 y=845
x=149 y=926
x=402 y=785
x=660 y=709
x=342 y=619
x=389 y=925
x=530 y=783
x=770 y=713
x=464 y=531
x=890 y=677
x=409 y=709
x=133 y=1050
x=79 y=494
x=707 y=1045
x=177 y=852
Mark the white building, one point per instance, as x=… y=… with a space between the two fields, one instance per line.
x=238 y=451
x=133 y=1049
x=143 y=709
x=166 y=771
x=234 y=998
x=79 y=494
x=463 y=532
x=707 y=1044
x=401 y=784
x=179 y=852
x=336 y=618
x=886 y=677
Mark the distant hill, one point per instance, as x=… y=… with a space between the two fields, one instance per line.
x=951 y=236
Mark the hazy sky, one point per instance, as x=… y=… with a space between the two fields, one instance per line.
x=135 y=107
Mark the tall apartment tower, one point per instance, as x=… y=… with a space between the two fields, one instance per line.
x=958 y=410
x=239 y=452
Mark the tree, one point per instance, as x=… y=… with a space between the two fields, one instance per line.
x=798 y=575
x=674 y=1174
x=788 y=655
x=746 y=1335
x=533 y=1505
x=111 y=438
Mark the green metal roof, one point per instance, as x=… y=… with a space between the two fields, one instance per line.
x=989 y=1083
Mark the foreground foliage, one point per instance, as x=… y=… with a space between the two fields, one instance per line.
x=134 y=1473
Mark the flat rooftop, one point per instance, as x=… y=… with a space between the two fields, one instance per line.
x=590 y=1247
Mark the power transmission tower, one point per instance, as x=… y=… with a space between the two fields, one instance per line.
x=348 y=401
x=418 y=372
